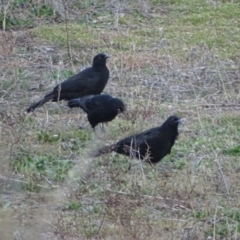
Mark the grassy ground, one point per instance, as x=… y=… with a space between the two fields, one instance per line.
x=167 y=57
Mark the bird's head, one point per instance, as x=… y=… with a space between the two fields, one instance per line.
x=174 y=120
x=118 y=105
x=100 y=59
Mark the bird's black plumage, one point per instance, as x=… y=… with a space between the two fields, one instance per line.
x=153 y=144
x=91 y=80
x=99 y=108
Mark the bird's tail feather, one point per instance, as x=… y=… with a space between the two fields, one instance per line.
x=40 y=103
x=103 y=150
x=74 y=103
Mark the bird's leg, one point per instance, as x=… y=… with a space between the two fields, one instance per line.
x=94 y=130
x=102 y=128
x=96 y=134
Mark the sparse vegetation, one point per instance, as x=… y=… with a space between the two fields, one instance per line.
x=167 y=57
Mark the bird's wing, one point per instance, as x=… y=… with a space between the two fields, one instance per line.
x=80 y=102
x=98 y=102
x=149 y=142
x=84 y=102
x=156 y=140
x=82 y=81
x=136 y=140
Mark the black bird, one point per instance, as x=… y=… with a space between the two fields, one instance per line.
x=91 y=80
x=99 y=108
x=151 y=145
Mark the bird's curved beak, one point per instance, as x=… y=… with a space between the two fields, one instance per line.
x=106 y=56
x=123 y=112
x=180 y=120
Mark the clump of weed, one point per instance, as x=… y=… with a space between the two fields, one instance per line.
x=41 y=169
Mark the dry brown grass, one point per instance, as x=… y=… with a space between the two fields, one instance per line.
x=191 y=194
